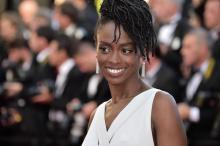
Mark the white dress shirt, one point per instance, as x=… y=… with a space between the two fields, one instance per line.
x=192 y=87
x=165 y=34
x=63 y=70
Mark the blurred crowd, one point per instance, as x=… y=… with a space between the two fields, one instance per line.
x=48 y=84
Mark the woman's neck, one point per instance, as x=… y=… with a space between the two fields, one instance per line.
x=127 y=90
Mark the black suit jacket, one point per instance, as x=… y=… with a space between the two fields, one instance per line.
x=206 y=99
x=216 y=49
x=73 y=88
x=102 y=94
x=167 y=80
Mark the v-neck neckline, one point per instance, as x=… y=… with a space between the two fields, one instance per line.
x=119 y=116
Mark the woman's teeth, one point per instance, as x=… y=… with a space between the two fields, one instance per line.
x=115 y=70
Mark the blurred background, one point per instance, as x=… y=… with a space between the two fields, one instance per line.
x=48 y=84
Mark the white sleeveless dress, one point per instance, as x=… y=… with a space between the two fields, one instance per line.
x=132 y=126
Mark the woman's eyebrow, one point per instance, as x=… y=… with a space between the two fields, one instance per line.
x=126 y=44
x=121 y=44
x=104 y=43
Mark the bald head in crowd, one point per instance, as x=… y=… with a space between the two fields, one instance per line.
x=28 y=9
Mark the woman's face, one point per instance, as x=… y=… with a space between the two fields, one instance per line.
x=119 y=62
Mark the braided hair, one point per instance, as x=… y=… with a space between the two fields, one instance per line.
x=135 y=18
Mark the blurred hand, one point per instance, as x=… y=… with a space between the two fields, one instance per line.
x=88 y=108
x=184 y=110
x=73 y=105
x=13 y=88
x=44 y=97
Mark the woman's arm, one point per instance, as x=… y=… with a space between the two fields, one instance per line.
x=166 y=122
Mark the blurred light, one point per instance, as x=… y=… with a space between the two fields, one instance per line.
x=147 y=1
x=59 y=2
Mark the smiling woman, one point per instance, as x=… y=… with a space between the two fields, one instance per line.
x=137 y=114
x=118 y=60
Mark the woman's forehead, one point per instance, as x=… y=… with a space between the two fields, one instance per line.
x=108 y=32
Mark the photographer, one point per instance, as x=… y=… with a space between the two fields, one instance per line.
x=27 y=92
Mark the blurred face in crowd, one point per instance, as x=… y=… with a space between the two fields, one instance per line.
x=79 y=4
x=119 y=62
x=14 y=55
x=56 y=55
x=86 y=57
x=8 y=31
x=62 y=19
x=192 y=51
x=163 y=9
x=212 y=14
x=27 y=10
x=36 y=43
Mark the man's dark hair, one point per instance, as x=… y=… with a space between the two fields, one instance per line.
x=18 y=43
x=65 y=43
x=70 y=11
x=46 y=32
x=135 y=18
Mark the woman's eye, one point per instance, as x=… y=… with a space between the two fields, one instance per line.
x=127 y=51
x=104 y=49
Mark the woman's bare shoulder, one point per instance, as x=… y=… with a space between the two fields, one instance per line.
x=164 y=99
x=164 y=105
x=166 y=121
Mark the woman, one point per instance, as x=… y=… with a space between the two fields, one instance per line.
x=137 y=114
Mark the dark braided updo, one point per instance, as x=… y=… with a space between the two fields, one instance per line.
x=135 y=18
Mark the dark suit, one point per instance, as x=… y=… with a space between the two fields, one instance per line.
x=72 y=88
x=216 y=49
x=88 y=18
x=206 y=99
x=102 y=93
x=3 y=50
x=166 y=79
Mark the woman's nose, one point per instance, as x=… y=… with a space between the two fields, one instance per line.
x=114 y=57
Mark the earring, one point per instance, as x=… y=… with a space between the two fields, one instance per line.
x=97 y=67
x=143 y=69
